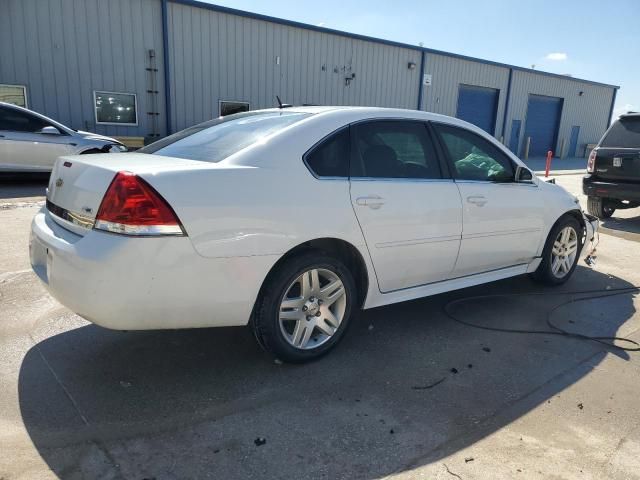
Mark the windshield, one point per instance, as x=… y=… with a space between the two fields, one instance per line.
x=625 y=133
x=220 y=138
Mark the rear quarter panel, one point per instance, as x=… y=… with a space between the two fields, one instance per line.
x=262 y=201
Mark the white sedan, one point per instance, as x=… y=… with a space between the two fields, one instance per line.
x=31 y=142
x=291 y=220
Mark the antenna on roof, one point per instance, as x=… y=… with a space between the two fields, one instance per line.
x=282 y=105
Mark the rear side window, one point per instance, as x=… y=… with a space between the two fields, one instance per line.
x=393 y=149
x=473 y=157
x=17 y=121
x=331 y=157
x=215 y=140
x=625 y=133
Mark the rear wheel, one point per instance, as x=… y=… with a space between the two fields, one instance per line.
x=561 y=252
x=600 y=207
x=305 y=307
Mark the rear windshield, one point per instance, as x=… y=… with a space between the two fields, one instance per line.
x=625 y=133
x=217 y=139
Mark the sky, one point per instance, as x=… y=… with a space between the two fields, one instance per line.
x=592 y=39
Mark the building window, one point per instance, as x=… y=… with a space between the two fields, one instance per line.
x=228 y=107
x=114 y=108
x=15 y=94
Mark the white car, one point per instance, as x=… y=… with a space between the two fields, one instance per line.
x=30 y=142
x=291 y=220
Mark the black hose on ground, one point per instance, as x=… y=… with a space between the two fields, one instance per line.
x=553 y=329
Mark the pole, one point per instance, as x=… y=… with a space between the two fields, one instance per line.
x=548 y=166
x=526 y=148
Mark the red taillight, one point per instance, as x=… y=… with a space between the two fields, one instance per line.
x=591 y=163
x=132 y=207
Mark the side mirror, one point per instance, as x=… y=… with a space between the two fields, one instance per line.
x=49 y=130
x=523 y=175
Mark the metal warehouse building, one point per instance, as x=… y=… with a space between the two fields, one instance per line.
x=146 y=68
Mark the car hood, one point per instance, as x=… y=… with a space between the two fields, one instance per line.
x=96 y=137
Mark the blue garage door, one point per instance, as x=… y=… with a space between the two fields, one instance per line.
x=543 y=120
x=478 y=105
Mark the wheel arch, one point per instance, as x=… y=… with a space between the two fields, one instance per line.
x=575 y=213
x=344 y=251
x=90 y=151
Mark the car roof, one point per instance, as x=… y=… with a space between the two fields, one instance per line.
x=364 y=111
x=630 y=114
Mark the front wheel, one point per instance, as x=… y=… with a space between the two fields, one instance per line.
x=561 y=252
x=305 y=307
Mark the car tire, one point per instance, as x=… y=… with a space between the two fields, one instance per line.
x=599 y=207
x=301 y=315
x=554 y=269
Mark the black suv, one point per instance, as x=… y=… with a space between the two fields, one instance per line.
x=613 y=170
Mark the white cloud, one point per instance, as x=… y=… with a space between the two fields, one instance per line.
x=556 y=56
x=627 y=107
x=321 y=24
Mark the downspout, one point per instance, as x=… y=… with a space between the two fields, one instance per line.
x=165 y=61
x=506 y=107
x=613 y=101
x=421 y=83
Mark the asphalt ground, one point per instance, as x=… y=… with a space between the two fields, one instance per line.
x=409 y=393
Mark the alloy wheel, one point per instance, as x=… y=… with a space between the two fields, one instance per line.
x=312 y=308
x=564 y=252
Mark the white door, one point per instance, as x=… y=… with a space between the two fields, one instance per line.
x=409 y=214
x=502 y=220
x=24 y=148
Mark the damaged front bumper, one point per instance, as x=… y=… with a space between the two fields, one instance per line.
x=591 y=238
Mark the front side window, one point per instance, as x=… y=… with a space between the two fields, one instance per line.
x=331 y=157
x=14 y=120
x=217 y=139
x=116 y=108
x=393 y=149
x=473 y=157
x=624 y=133
x=229 y=108
x=15 y=94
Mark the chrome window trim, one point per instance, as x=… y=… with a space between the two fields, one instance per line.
x=488 y=182
x=401 y=179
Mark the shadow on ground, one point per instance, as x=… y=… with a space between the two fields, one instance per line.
x=16 y=186
x=198 y=403
x=618 y=224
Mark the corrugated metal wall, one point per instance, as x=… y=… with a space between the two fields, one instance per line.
x=216 y=56
x=63 y=50
x=590 y=110
x=447 y=75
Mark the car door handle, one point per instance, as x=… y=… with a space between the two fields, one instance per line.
x=372 y=201
x=478 y=200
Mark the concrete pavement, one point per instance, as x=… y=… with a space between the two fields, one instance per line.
x=79 y=401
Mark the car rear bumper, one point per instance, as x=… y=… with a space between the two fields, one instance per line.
x=127 y=283
x=593 y=187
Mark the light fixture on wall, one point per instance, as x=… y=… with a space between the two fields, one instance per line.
x=580 y=93
x=411 y=66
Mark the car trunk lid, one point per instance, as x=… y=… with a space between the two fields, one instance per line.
x=78 y=184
